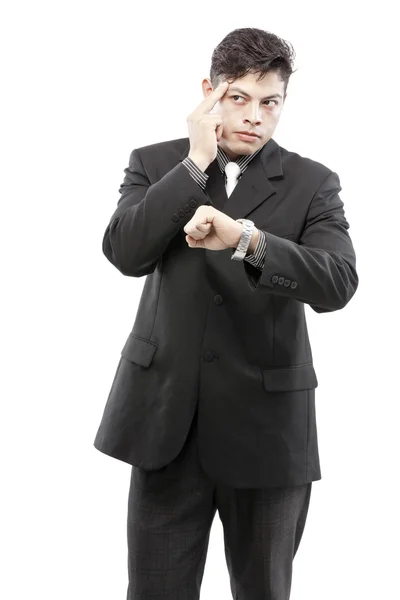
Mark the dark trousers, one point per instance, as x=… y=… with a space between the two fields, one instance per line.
x=170 y=513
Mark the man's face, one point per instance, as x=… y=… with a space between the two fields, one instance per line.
x=245 y=107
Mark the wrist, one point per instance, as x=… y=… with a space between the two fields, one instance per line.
x=199 y=161
x=239 y=229
x=254 y=241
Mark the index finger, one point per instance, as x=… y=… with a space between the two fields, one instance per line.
x=211 y=100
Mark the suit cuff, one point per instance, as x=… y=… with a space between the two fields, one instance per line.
x=198 y=175
x=254 y=267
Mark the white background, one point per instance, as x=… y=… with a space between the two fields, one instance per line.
x=83 y=84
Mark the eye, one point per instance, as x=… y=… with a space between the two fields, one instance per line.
x=237 y=96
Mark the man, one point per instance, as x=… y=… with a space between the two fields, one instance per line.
x=213 y=400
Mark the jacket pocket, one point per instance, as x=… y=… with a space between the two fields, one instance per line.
x=282 y=379
x=139 y=350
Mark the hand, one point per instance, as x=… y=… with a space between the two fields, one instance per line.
x=206 y=129
x=212 y=229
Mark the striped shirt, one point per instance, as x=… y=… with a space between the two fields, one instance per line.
x=257 y=258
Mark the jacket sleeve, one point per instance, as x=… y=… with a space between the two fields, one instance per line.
x=148 y=216
x=320 y=270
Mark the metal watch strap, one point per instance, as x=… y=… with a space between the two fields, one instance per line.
x=245 y=238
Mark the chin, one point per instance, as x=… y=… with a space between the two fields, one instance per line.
x=246 y=147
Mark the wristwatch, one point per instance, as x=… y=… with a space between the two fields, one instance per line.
x=245 y=238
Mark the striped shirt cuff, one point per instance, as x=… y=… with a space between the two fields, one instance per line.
x=198 y=175
x=257 y=258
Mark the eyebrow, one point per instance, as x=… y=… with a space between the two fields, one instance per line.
x=236 y=89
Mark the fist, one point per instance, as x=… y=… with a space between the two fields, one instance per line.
x=212 y=229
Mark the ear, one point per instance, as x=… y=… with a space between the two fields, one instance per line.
x=206 y=86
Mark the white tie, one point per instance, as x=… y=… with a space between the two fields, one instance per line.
x=232 y=171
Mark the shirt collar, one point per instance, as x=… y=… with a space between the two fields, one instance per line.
x=242 y=160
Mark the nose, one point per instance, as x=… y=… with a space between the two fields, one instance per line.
x=253 y=115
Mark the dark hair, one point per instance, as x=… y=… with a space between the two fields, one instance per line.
x=251 y=50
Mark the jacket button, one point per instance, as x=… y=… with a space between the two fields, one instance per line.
x=218 y=299
x=181 y=212
x=293 y=285
x=274 y=278
x=286 y=282
x=193 y=202
x=187 y=208
x=208 y=356
x=281 y=280
x=175 y=217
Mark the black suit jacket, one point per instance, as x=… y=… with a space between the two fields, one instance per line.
x=219 y=335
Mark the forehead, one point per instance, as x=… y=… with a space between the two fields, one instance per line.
x=270 y=85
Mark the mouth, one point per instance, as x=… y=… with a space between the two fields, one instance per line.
x=248 y=137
